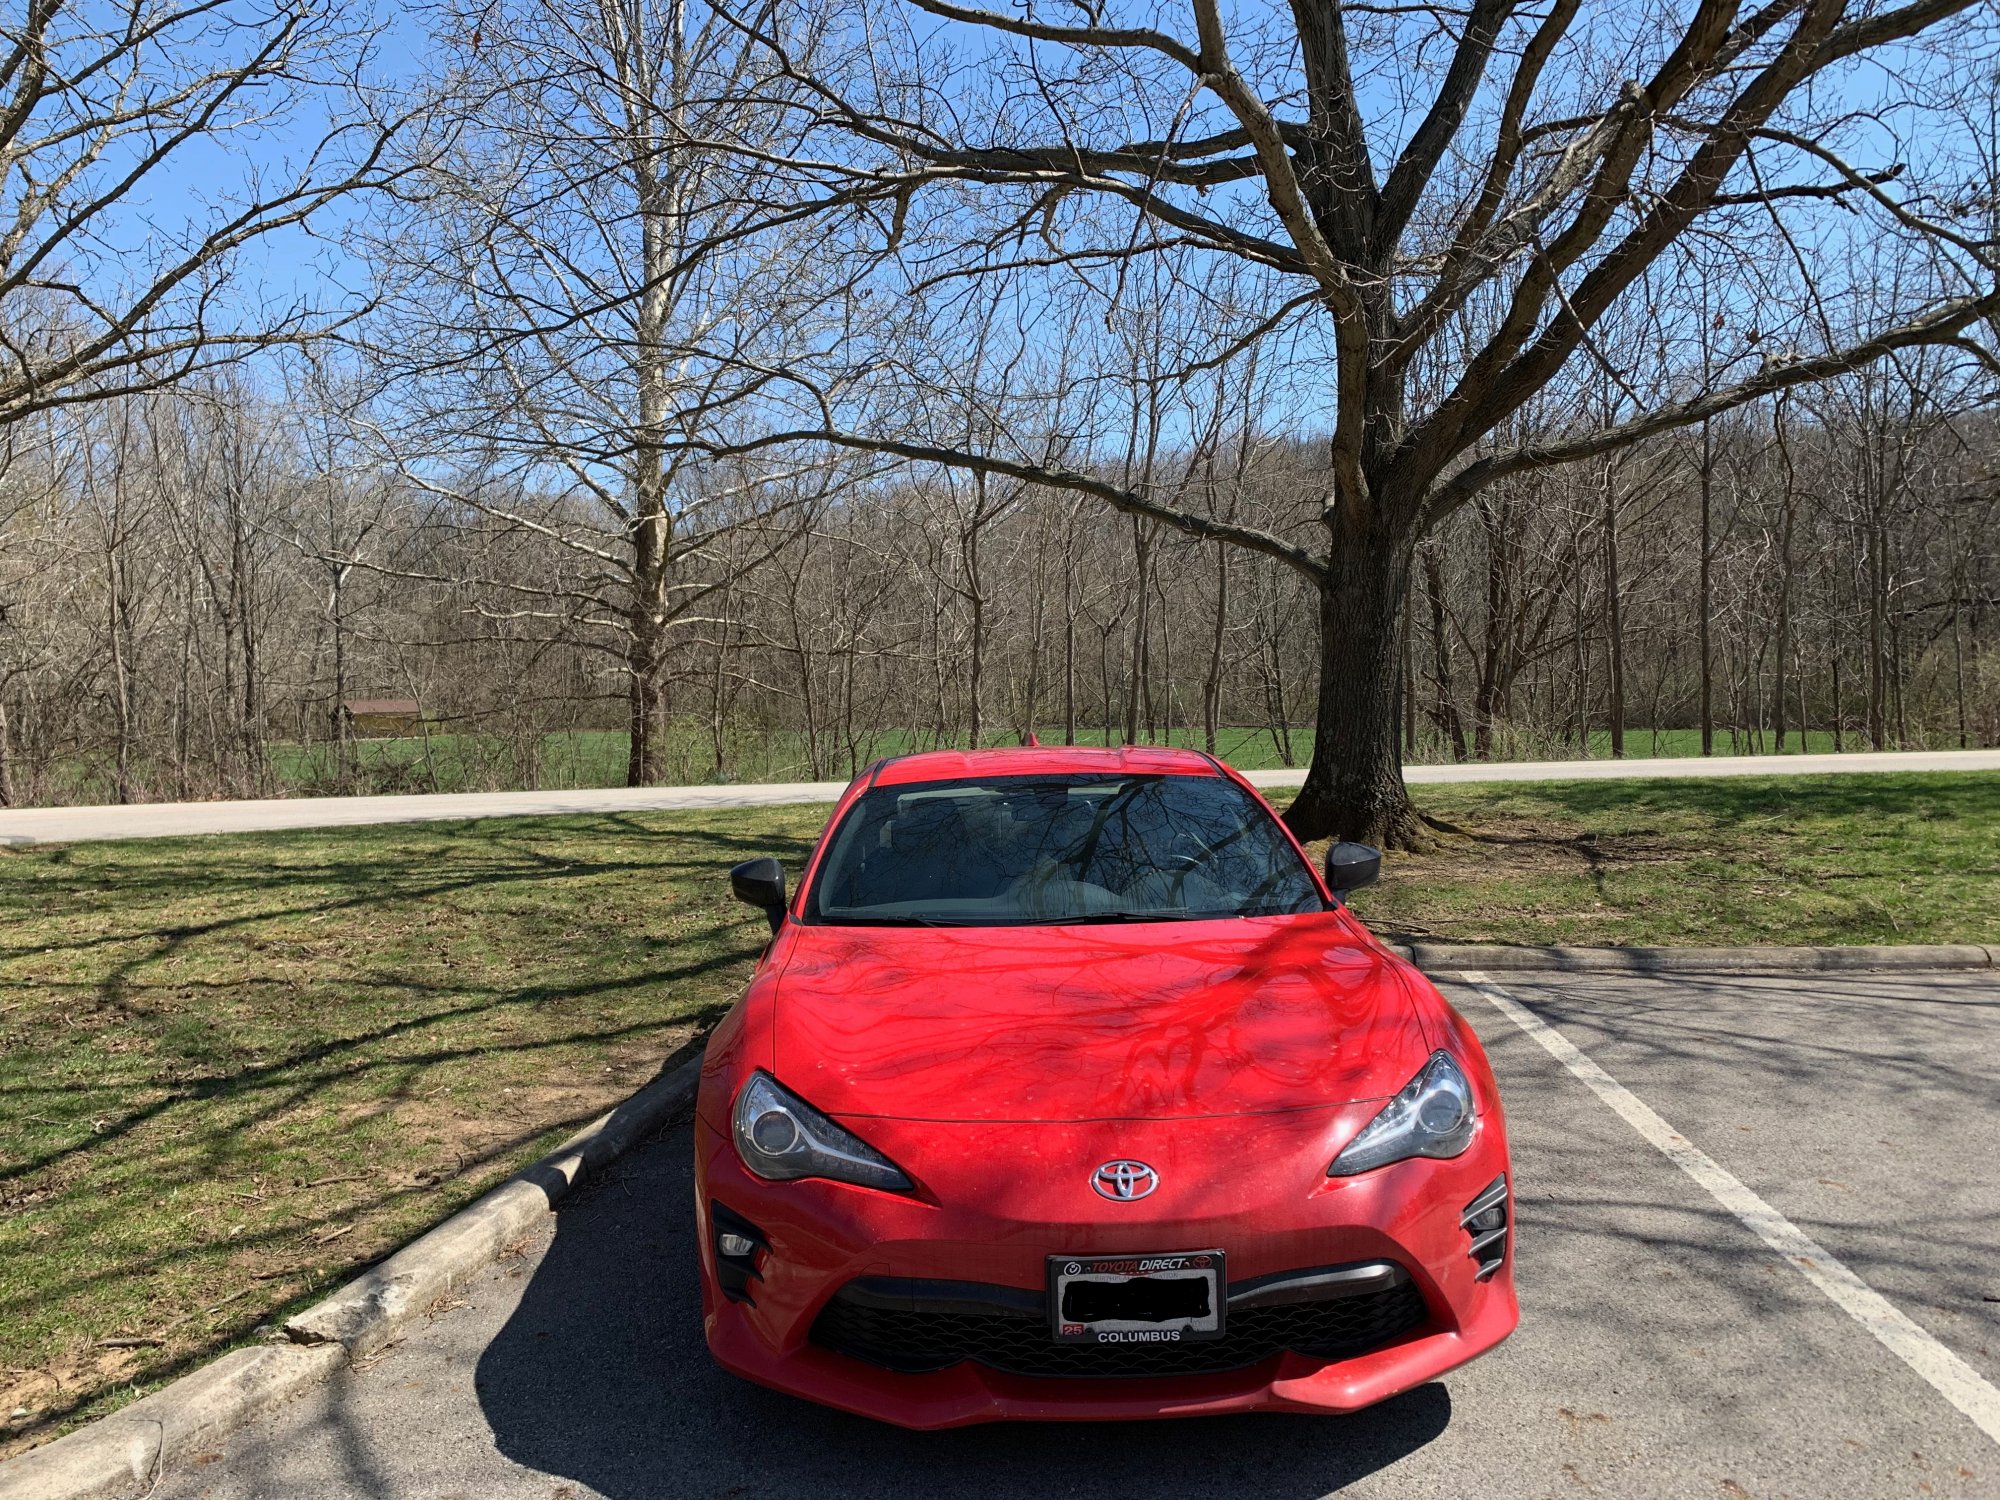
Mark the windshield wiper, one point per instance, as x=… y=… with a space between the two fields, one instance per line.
x=1132 y=916
x=905 y=919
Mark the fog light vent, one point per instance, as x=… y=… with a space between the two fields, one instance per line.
x=737 y=1245
x=1485 y=1219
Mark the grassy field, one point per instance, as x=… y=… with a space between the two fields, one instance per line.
x=1805 y=859
x=464 y=762
x=235 y=1070
x=446 y=762
x=588 y=758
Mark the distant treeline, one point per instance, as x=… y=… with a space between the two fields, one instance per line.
x=191 y=584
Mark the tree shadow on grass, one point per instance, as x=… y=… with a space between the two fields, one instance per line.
x=601 y=1376
x=1733 y=799
x=178 y=1102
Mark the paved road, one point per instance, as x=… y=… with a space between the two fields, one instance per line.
x=1665 y=1351
x=58 y=825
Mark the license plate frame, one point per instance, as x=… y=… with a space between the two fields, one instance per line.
x=1209 y=1266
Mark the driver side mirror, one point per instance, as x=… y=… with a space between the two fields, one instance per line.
x=761 y=883
x=1351 y=866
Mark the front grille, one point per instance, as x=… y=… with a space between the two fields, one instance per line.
x=1018 y=1342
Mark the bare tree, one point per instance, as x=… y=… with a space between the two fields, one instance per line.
x=106 y=111
x=1451 y=204
x=588 y=298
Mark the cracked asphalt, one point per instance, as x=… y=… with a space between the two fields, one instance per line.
x=1664 y=1350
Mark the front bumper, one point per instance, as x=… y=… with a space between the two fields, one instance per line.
x=975 y=1220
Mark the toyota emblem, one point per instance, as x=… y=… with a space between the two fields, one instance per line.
x=1123 y=1181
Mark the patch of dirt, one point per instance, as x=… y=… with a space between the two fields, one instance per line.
x=1541 y=847
x=33 y=1401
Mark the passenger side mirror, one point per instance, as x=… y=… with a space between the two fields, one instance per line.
x=761 y=882
x=1351 y=866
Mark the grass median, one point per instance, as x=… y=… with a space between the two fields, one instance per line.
x=1730 y=862
x=235 y=1070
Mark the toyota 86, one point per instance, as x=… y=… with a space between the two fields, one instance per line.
x=1068 y=1088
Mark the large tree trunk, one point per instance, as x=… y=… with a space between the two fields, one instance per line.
x=1354 y=788
x=646 y=702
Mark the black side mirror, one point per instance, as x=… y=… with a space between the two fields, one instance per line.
x=1351 y=866
x=761 y=882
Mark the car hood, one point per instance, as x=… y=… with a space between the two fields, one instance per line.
x=1141 y=1021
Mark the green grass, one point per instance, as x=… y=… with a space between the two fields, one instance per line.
x=234 y=1070
x=462 y=762
x=588 y=758
x=1810 y=859
x=593 y=758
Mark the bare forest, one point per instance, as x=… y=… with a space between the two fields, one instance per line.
x=636 y=391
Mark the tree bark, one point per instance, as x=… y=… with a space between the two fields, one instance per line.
x=1354 y=787
x=646 y=702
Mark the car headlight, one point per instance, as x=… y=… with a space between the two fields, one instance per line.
x=781 y=1137
x=1432 y=1116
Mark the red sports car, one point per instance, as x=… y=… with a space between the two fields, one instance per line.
x=1067 y=1088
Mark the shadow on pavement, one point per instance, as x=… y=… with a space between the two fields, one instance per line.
x=601 y=1377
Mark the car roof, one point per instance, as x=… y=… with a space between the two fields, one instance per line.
x=1037 y=760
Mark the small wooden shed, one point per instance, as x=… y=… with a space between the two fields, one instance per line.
x=382 y=718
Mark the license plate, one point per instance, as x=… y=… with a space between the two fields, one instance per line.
x=1137 y=1299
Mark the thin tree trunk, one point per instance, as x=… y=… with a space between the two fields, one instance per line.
x=976 y=666
x=1580 y=647
x=1785 y=531
x=1141 y=622
x=123 y=670
x=1839 y=719
x=1408 y=683
x=1069 y=654
x=7 y=794
x=1703 y=600
x=1878 y=669
x=1959 y=669
x=1211 y=691
x=1494 y=671
x=1445 y=710
x=1614 y=623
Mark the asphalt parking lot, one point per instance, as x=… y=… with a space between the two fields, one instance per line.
x=1666 y=1349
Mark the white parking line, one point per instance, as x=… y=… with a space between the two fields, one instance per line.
x=1955 y=1380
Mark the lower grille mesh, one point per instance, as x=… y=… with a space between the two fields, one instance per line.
x=913 y=1342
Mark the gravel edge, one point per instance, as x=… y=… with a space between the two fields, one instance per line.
x=124 y=1454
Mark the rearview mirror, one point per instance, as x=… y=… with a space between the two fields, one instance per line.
x=761 y=883
x=1351 y=866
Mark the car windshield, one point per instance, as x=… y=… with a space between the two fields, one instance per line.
x=1021 y=850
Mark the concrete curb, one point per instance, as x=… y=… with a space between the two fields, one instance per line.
x=123 y=1455
x=1435 y=958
